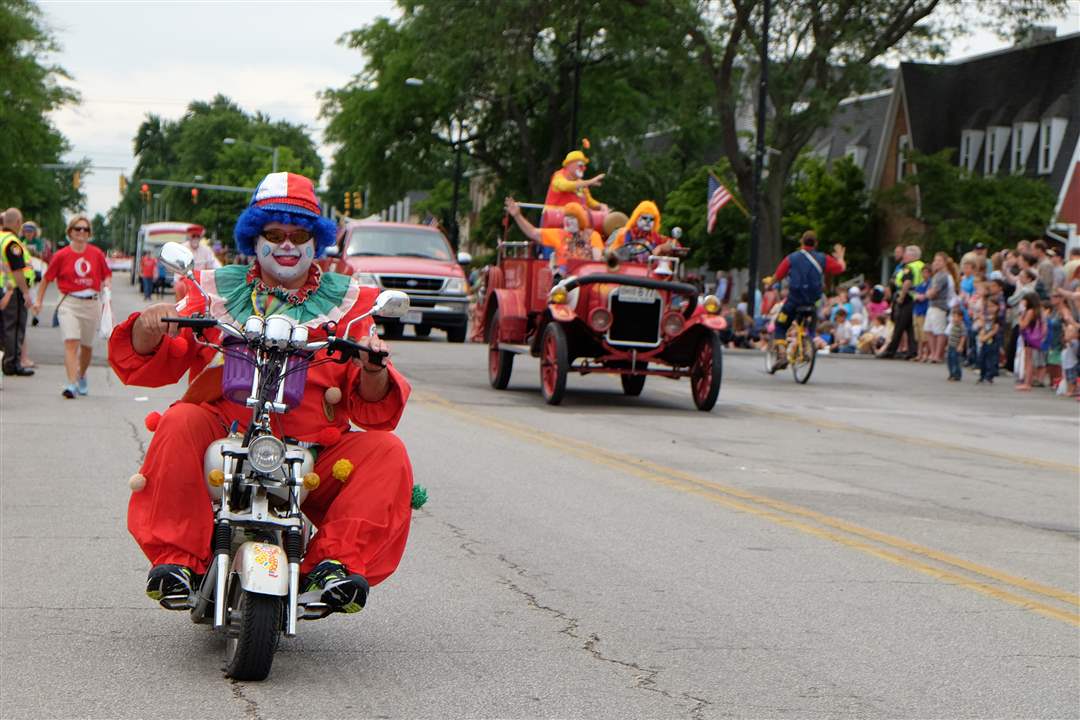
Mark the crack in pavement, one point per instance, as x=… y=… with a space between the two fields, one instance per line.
x=645 y=678
x=138 y=440
x=252 y=706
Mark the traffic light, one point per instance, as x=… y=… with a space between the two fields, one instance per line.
x=194 y=196
x=144 y=191
x=123 y=184
x=348 y=202
x=358 y=199
x=75 y=180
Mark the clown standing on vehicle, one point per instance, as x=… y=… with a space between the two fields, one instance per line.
x=568 y=185
x=361 y=507
x=641 y=234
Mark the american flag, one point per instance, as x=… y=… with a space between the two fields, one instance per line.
x=718 y=198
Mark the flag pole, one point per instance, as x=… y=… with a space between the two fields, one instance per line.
x=733 y=198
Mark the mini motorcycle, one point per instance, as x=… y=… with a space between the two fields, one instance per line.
x=258 y=481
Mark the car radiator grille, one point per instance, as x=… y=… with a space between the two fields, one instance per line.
x=634 y=322
x=425 y=284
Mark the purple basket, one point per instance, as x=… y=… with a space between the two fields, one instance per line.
x=240 y=371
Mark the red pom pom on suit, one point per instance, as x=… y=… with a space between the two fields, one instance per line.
x=329 y=436
x=151 y=421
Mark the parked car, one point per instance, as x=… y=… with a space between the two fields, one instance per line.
x=633 y=320
x=152 y=236
x=416 y=259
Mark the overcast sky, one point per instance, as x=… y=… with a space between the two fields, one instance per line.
x=128 y=59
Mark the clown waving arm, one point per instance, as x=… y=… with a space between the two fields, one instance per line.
x=530 y=231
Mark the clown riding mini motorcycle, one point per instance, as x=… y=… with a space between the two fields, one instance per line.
x=258 y=481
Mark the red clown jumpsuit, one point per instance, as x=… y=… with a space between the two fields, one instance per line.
x=362 y=521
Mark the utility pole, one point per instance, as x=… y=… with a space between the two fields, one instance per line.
x=759 y=158
x=577 y=84
x=454 y=227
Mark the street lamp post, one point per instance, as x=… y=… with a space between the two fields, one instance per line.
x=759 y=158
x=272 y=149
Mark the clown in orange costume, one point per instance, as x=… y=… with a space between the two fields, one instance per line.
x=568 y=184
x=642 y=233
x=362 y=515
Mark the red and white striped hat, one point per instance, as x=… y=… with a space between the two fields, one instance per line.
x=286 y=191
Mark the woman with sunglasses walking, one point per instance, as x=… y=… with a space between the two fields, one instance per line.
x=81 y=273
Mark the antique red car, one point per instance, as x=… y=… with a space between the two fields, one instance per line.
x=632 y=320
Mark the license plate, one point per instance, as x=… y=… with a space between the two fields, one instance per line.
x=629 y=293
x=413 y=317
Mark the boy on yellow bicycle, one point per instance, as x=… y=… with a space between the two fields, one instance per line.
x=805 y=269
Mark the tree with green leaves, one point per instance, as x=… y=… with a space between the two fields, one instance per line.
x=517 y=83
x=958 y=208
x=29 y=90
x=192 y=149
x=834 y=202
x=820 y=52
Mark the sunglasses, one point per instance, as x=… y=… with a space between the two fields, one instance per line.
x=80 y=228
x=296 y=237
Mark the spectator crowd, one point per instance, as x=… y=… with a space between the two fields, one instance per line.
x=1016 y=311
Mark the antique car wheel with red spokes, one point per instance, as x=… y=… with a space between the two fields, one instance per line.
x=553 y=363
x=706 y=372
x=500 y=362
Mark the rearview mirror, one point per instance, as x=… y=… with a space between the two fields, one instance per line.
x=391 y=304
x=676 y=232
x=464 y=258
x=332 y=251
x=177 y=258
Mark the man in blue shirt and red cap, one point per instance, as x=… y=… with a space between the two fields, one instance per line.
x=805 y=269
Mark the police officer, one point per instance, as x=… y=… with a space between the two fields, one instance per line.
x=17 y=273
x=805 y=269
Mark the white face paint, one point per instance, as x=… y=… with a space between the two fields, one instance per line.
x=570 y=224
x=579 y=170
x=645 y=222
x=286 y=262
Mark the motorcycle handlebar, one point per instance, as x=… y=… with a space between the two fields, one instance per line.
x=195 y=323
x=350 y=350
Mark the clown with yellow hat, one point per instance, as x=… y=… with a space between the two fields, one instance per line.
x=568 y=184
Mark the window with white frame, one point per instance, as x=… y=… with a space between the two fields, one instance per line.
x=970 y=145
x=903 y=147
x=857 y=153
x=1023 y=137
x=1051 y=133
x=997 y=137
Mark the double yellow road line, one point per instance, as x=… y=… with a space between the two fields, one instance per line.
x=1032 y=596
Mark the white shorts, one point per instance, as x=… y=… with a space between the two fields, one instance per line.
x=79 y=319
x=936 y=321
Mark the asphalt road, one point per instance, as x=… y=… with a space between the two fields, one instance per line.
x=878 y=543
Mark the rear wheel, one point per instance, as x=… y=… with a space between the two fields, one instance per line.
x=805 y=364
x=422 y=330
x=553 y=363
x=457 y=335
x=632 y=384
x=706 y=372
x=253 y=623
x=500 y=362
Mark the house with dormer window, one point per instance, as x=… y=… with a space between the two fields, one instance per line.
x=1011 y=111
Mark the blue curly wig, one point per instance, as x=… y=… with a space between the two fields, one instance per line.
x=251 y=222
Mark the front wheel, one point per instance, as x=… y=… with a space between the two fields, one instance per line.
x=770 y=357
x=803 y=366
x=553 y=363
x=500 y=362
x=253 y=623
x=706 y=372
x=457 y=335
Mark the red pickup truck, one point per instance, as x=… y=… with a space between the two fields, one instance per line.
x=416 y=259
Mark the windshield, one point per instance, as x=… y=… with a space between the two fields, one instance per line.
x=402 y=242
x=162 y=237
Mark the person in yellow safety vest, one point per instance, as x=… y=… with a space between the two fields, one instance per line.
x=907 y=276
x=17 y=273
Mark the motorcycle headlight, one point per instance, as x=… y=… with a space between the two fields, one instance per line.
x=366 y=279
x=266 y=453
x=455 y=286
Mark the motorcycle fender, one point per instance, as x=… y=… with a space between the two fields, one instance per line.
x=262 y=568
